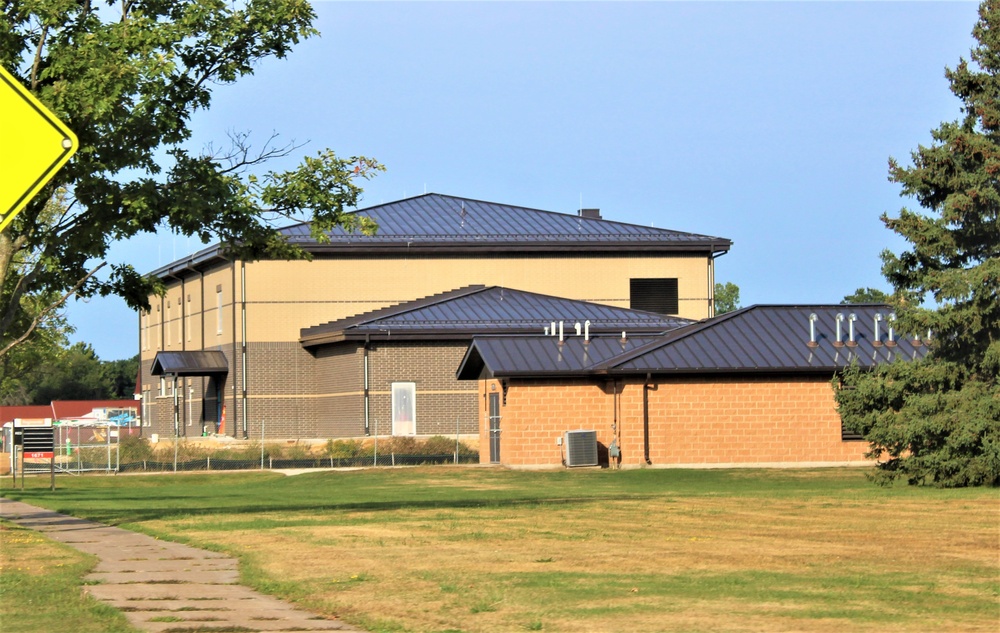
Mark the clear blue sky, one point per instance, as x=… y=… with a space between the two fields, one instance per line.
x=770 y=123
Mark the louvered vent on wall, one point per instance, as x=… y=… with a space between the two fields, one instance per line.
x=581 y=448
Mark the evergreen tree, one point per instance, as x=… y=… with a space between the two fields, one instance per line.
x=938 y=421
x=867 y=295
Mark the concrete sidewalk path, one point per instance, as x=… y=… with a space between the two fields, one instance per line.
x=164 y=586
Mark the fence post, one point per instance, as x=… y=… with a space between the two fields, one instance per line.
x=208 y=462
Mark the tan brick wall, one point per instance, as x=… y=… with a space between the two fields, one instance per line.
x=692 y=421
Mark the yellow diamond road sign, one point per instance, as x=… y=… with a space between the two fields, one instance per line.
x=34 y=144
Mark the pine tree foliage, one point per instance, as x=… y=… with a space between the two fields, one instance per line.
x=938 y=421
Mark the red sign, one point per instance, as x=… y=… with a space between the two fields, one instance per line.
x=39 y=455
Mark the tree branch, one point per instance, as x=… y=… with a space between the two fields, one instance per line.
x=49 y=309
x=38 y=58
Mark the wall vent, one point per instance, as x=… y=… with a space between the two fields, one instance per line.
x=581 y=448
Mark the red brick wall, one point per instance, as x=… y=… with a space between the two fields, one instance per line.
x=692 y=421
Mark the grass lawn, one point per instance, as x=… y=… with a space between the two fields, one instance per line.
x=473 y=549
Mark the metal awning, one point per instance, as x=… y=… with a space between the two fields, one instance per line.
x=203 y=363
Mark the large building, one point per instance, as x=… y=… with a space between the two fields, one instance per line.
x=235 y=347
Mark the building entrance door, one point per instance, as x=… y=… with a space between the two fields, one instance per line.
x=494 y=428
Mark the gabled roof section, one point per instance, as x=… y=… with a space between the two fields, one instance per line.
x=435 y=220
x=475 y=310
x=200 y=363
x=757 y=339
x=440 y=224
x=73 y=409
x=774 y=338
x=25 y=412
x=503 y=357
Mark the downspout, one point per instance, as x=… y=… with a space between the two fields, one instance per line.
x=366 y=346
x=243 y=335
x=645 y=418
x=711 y=279
x=236 y=394
x=142 y=392
x=204 y=387
x=187 y=392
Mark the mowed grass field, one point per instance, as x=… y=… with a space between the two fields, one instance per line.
x=481 y=549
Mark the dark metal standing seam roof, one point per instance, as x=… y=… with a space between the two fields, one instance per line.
x=440 y=224
x=482 y=310
x=200 y=363
x=773 y=339
x=541 y=356
x=436 y=218
x=758 y=339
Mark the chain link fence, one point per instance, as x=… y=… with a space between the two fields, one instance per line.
x=121 y=450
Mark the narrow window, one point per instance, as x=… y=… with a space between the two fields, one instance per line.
x=404 y=412
x=145 y=406
x=654 y=295
x=218 y=310
x=166 y=324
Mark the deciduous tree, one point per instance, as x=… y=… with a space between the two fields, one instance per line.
x=938 y=421
x=126 y=77
x=727 y=298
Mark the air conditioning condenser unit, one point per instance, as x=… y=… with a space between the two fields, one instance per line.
x=581 y=448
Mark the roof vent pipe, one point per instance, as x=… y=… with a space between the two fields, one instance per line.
x=812 y=330
x=623 y=335
x=891 y=342
x=577 y=326
x=851 y=318
x=546 y=330
x=878 y=336
x=560 y=331
x=586 y=331
x=552 y=328
x=840 y=334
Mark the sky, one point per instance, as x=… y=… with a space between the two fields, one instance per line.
x=768 y=123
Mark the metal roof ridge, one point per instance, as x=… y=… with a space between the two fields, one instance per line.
x=712 y=238
x=396 y=309
x=673 y=336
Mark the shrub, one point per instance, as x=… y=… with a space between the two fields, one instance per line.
x=343 y=448
x=134 y=449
